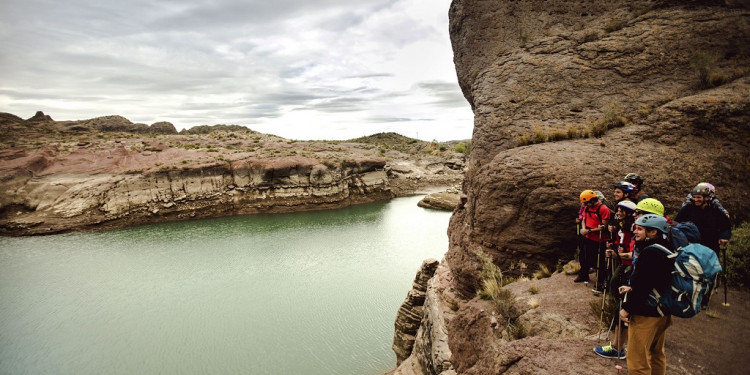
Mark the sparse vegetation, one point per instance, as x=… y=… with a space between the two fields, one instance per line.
x=572 y=267
x=738 y=257
x=542 y=272
x=533 y=303
x=503 y=300
x=703 y=63
x=550 y=183
x=533 y=289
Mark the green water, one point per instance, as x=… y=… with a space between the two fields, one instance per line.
x=303 y=293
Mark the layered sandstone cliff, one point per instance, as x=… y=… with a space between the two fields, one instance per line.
x=570 y=96
x=104 y=173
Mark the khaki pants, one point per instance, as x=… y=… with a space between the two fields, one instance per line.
x=646 y=345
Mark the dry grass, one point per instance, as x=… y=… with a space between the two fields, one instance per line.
x=533 y=303
x=533 y=289
x=503 y=300
x=542 y=273
x=572 y=267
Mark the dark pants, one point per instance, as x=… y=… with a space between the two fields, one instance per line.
x=591 y=252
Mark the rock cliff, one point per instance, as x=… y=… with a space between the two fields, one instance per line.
x=106 y=172
x=573 y=95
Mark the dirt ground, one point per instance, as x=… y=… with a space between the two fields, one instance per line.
x=716 y=341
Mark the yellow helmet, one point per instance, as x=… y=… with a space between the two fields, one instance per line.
x=651 y=205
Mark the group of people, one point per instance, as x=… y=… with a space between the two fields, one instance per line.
x=620 y=248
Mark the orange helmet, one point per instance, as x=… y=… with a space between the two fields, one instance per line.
x=587 y=195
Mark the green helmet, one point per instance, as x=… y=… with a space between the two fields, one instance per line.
x=651 y=205
x=654 y=222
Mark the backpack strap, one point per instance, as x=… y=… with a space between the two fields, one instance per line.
x=669 y=253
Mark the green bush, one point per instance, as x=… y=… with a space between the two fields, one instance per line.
x=738 y=257
x=461 y=147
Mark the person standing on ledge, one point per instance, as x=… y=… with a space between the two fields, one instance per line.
x=652 y=271
x=595 y=235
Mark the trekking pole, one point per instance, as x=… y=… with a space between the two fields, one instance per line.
x=604 y=298
x=598 y=259
x=724 y=273
x=619 y=330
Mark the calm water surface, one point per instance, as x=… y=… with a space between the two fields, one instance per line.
x=303 y=293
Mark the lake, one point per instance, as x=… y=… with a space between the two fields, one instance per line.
x=302 y=293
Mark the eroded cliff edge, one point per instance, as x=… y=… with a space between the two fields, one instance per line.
x=570 y=96
x=58 y=176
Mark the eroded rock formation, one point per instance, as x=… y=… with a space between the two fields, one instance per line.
x=57 y=176
x=570 y=96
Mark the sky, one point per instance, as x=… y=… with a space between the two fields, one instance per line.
x=300 y=69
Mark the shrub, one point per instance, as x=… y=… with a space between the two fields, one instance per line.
x=523 y=141
x=572 y=267
x=533 y=289
x=542 y=272
x=461 y=147
x=738 y=257
x=703 y=63
x=539 y=136
x=533 y=303
x=557 y=135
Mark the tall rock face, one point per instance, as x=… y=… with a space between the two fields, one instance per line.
x=573 y=95
x=669 y=78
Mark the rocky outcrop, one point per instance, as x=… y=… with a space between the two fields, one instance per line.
x=570 y=96
x=431 y=353
x=411 y=312
x=38 y=200
x=444 y=200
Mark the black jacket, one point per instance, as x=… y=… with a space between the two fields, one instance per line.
x=711 y=222
x=652 y=270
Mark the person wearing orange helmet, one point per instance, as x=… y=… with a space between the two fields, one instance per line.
x=595 y=235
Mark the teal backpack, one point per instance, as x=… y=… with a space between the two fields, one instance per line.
x=695 y=267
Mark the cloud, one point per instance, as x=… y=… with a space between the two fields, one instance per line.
x=364 y=64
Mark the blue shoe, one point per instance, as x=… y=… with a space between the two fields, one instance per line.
x=609 y=352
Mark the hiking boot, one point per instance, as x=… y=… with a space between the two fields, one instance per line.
x=598 y=291
x=609 y=352
x=580 y=279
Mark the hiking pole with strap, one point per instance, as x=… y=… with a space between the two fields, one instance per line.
x=598 y=259
x=724 y=273
x=604 y=299
x=581 y=252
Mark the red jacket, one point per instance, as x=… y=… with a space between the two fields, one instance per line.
x=593 y=217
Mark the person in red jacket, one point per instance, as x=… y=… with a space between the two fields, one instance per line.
x=595 y=235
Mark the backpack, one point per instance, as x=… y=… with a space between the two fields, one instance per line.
x=604 y=200
x=684 y=234
x=695 y=267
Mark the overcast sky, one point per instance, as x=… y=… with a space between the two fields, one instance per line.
x=301 y=69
